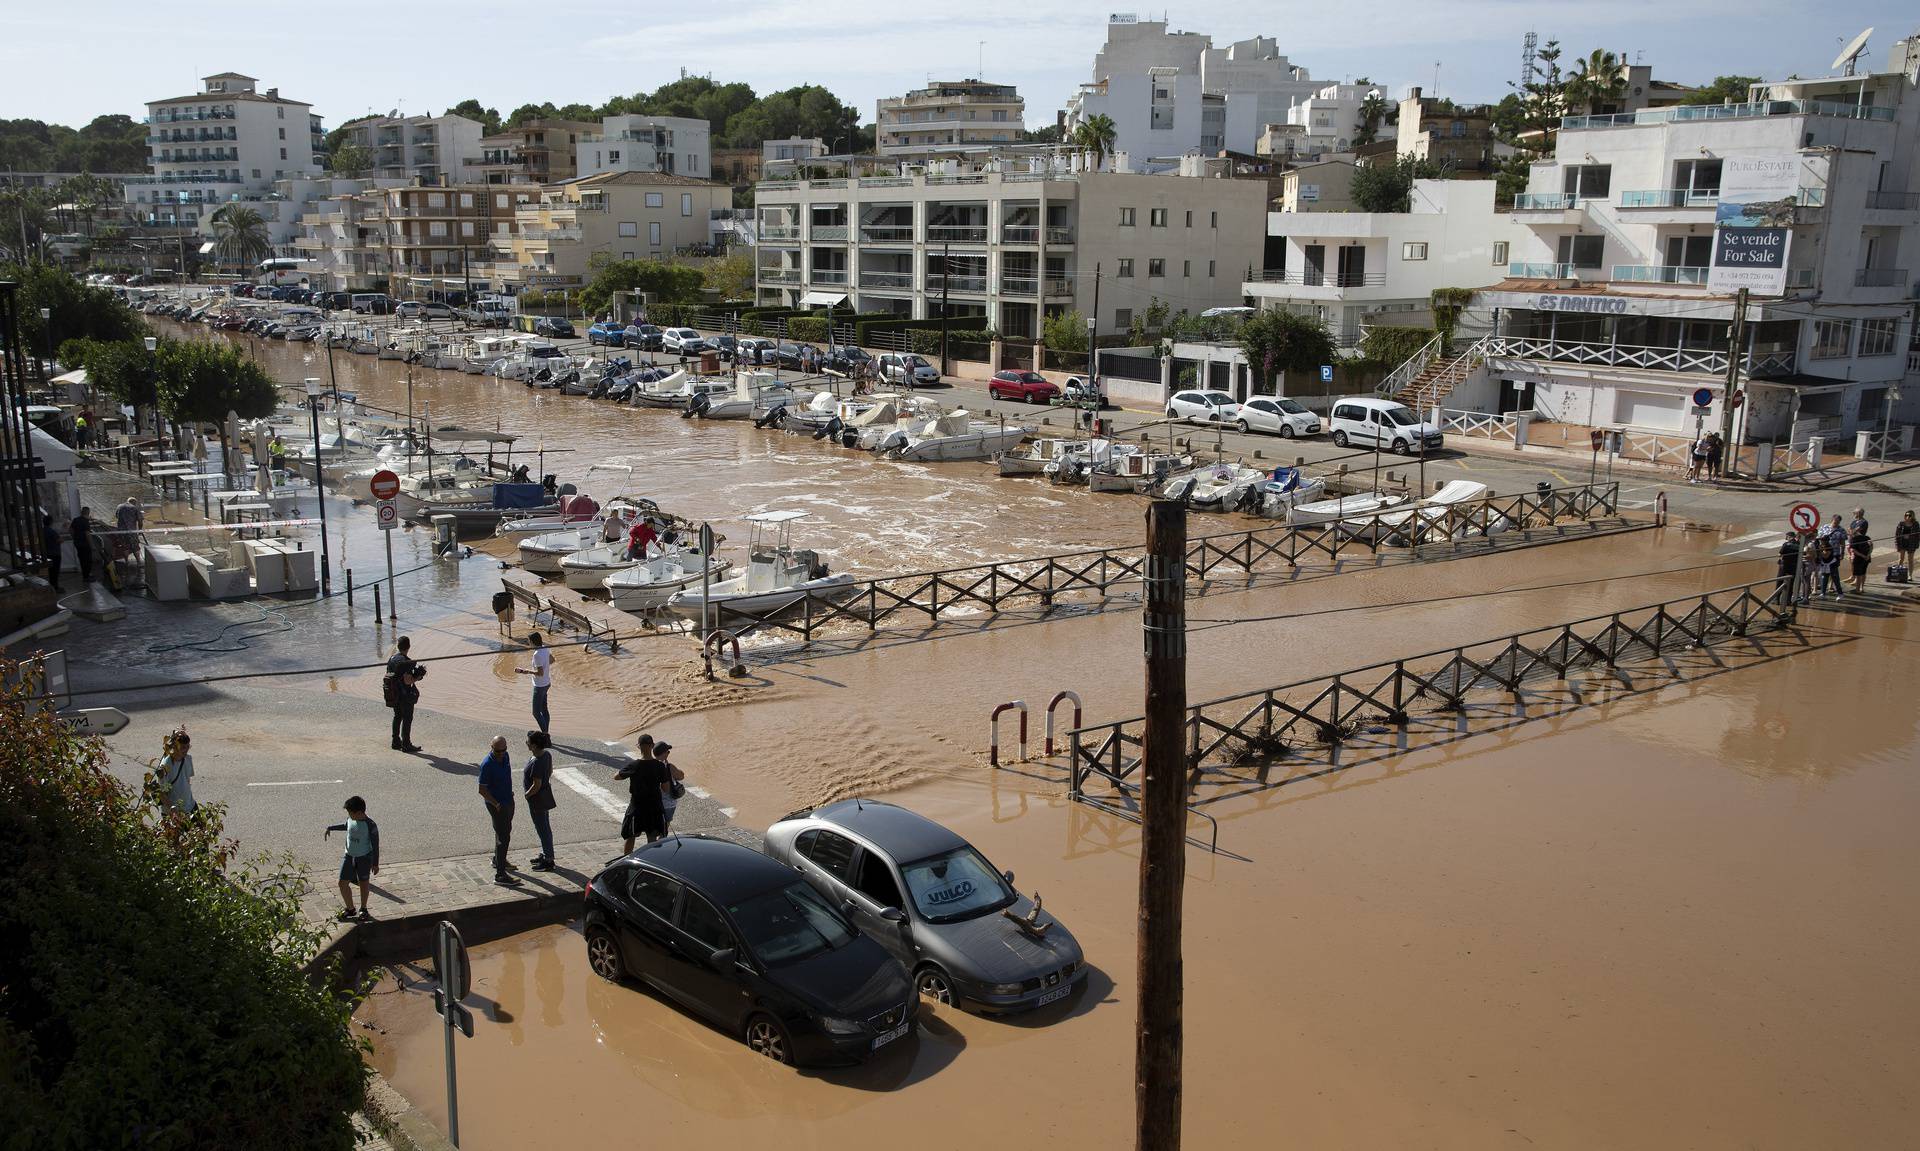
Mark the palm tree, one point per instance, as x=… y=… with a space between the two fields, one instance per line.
x=240 y=235
x=1095 y=135
x=1372 y=111
x=89 y=194
x=1598 y=79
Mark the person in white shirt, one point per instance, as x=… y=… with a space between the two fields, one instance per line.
x=542 y=673
x=176 y=774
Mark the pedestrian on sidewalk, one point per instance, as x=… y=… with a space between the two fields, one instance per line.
x=1808 y=546
x=496 y=788
x=175 y=773
x=81 y=532
x=542 y=673
x=1835 y=537
x=1906 y=540
x=1697 y=460
x=50 y=548
x=1824 y=560
x=1860 y=548
x=1857 y=522
x=403 y=672
x=1716 y=453
x=646 y=783
x=361 y=861
x=128 y=519
x=536 y=782
x=1789 y=569
x=670 y=795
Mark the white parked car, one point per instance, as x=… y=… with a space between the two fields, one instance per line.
x=1197 y=407
x=1278 y=416
x=1367 y=421
x=685 y=341
x=753 y=350
x=907 y=368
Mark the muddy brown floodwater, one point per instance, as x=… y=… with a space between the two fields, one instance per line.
x=1679 y=918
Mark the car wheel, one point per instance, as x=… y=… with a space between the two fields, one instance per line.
x=1286 y=431
x=1340 y=439
x=603 y=955
x=1035 y=398
x=1399 y=447
x=1242 y=425
x=766 y=1037
x=1172 y=415
x=932 y=983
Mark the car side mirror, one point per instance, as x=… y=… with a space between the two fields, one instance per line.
x=1008 y=876
x=723 y=958
x=893 y=915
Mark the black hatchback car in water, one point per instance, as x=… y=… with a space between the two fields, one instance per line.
x=746 y=942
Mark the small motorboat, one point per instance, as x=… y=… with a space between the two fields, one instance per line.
x=954 y=435
x=1396 y=527
x=1137 y=472
x=1286 y=490
x=1032 y=457
x=778 y=577
x=645 y=587
x=755 y=393
x=1076 y=464
x=1343 y=508
x=1216 y=488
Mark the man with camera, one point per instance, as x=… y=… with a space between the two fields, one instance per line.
x=403 y=672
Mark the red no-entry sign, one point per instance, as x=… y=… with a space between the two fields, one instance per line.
x=1803 y=517
x=384 y=485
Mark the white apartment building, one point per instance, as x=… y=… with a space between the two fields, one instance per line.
x=675 y=145
x=1007 y=247
x=1606 y=318
x=1330 y=120
x=620 y=215
x=949 y=118
x=342 y=240
x=225 y=141
x=1352 y=270
x=429 y=149
x=1173 y=93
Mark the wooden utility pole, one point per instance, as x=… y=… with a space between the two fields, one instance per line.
x=1163 y=861
x=1736 y=352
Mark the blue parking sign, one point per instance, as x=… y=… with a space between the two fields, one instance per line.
x=1326 y=373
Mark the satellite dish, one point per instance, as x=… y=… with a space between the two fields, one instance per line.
x=1845 y=60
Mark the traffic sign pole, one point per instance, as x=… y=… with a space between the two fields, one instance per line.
x=450 y=959
x=384 y=486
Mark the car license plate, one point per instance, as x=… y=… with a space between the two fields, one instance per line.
x=1054 y=996
x=889 y=1036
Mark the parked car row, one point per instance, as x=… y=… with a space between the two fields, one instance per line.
x=820 y=949
x=1366 y=421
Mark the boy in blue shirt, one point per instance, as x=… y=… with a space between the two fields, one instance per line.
x=362 y=859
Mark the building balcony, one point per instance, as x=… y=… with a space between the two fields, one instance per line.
x=1544 y=201
x=827 y=232
x=779 y=275
x=182 y=116
x=1029 y=234
x=1685 y=113
x=887 y=281
x=1893 y=201
x=1527 y=270
x=1671 y=198
x=1657 y=274
x=1019 y=285
x=968 y=285
x=779 y=232
x=1709 y=361
x=551 y=234
x=886 y=233
x=1318 y=279
x=836 y=276
x=956 y=233
x=1880 y=278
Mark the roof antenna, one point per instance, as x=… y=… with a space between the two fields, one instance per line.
x=857 y=806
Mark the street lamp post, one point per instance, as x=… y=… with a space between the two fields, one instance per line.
x=319 y=478
x=46 y=330
x=152 y=344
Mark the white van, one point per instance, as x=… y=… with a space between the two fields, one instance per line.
x=1368 y=421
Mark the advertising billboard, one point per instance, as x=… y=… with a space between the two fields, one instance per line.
x=1753 y=225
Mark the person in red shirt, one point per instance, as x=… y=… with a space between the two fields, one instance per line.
x=638 y=539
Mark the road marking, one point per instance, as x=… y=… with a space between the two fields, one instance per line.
x=1752 y=536
x=1464 y=465
x=1636 y=503
x=1556 y=475
x=599 y=796
x=293 y=782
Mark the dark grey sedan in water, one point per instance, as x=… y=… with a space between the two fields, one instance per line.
x=927 y=895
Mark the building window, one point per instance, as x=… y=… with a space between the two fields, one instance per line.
x=1876 y=336
x=283 y=153
x=1156 y=217
x=629 y=228
x=653 y=233
x=500 y=200
x=437 y=228
x=1831 y=339
x=1156 y=269
x=1213 y=219
x=278 y=111
x=627 y=256
x=655 y=200
x=283 y=133
x=1581 y=251
x=1126 y=217
x=1123 y=317
x=1209 y=269
x=1413 y=251
x=466 y=199
x=1125 y=271
x=1586 y=181
x=1186 y=268
x=612 y=157
x=466 y=228
x=256 y=173
x=686 y=203
x=436 y=199
x=1499 y=252
x=1189 y=219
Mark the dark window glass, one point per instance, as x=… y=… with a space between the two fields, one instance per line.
x=834 y=854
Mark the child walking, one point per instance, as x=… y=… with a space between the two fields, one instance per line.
x=362 y=859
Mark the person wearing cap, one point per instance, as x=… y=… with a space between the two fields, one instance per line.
x=670 y=789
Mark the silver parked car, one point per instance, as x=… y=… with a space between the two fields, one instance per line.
x=929 y=897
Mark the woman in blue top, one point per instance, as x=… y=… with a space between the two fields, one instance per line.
x=362 y=859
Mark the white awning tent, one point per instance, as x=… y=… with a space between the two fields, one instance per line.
x=831 y=299
x=206 y=249
x=59 y=489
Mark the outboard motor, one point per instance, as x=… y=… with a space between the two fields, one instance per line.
x=892 y=442
x=1248 y=499
x=816 y=567
x=697 y=405
x=772 y=419
x=600 y=389
x=832 y=429
x=1181 y=489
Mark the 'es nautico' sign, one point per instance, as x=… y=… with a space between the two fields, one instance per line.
x=1604 y=305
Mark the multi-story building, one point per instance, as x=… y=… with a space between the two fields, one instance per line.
x=227 y=140
x=949 y=118
x=427 y=149
x=1318 y=186
x=434 y=236
x=1007 y=246
x=1171 y=94
x=1607 y=317
x=1458 y=137
x=1333 y=119
x=670 y=144
x=1352 y=270
x=343 y=241
x=620 y=215
x=537 y=152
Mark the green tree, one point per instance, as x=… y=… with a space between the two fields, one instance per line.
x=1722 y=90
x=488 y=118
x=349 y=159
x=1381 y=187
x=155 y=991
x=1599 y=81
x=1373 y=112
x=730 y=277
x=1050 y=134
x=240 y=235
x=662 y=283
x=1095 y=136
x=808 y=110
x=123 y=369
x=1277 y=341
x=200 y=381
x=90 y=195
x=78 y=312
x=1065 y=332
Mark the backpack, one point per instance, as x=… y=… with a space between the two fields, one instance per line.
x=1824 y=550
x=390 y=690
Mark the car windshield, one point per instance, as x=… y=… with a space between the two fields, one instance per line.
x=790 y=924
x=1291 y=407
x=1401 y=416
x=1217 y=397
x=955 y=885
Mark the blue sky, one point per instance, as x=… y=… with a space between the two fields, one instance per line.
x=350 y=56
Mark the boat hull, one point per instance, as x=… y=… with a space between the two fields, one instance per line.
x=725 y=600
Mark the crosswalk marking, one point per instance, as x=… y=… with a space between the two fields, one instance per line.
x=1752 y=536
x=599 y=796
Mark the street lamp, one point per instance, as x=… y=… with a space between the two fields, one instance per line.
x=312 y=384
x=152 y=343
x=46 y=329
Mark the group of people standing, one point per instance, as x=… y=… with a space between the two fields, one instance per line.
x=1816 y=559
x=1705 y=457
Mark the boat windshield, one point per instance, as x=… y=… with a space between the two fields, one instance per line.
x=1401 y=416
x=790 y=924
x=955 y=885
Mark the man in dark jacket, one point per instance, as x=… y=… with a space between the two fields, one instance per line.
x=403 y=671
x=81 y=531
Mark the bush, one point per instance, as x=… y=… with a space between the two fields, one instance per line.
x=668 y=315
x=926 y=341
x=151 y=989
x=1391 y=344
x=809 y=329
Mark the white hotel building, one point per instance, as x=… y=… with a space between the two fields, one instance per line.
x=1605 y=319
x=228 y=141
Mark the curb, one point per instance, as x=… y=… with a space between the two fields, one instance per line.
x=411 y=936
x=399 y=1120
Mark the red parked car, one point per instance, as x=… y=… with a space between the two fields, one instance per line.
x=1027 y=387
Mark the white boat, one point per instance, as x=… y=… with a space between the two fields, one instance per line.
x=1074 y=465
x=1343 y=508
x=586 y=568
x=480 y=354
x=526 y=357
x=754 y=393
x=958 y=436
x=1286 y=490
x=820 y=410
x=1395 y=526
x=1138 y=472
x=1032 y=457
x=778 y=577
x=672 y=392
x=645 y=588
x=1215 y=488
